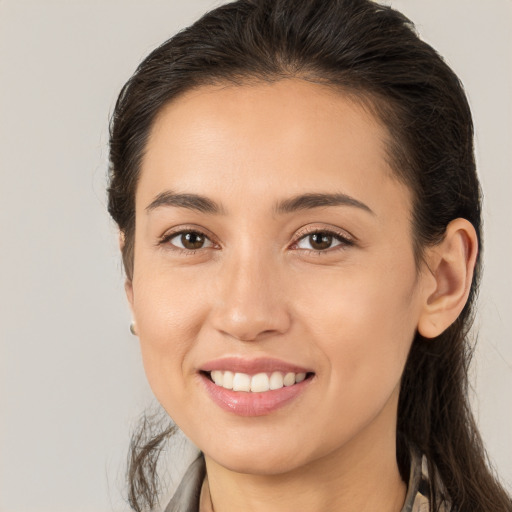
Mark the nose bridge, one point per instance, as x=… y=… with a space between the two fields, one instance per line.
x=251 y=303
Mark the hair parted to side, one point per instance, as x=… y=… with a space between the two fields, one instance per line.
x=372 y=53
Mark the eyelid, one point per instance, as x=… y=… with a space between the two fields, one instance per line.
x=346 y=238
x=178 y=230
x=332 y=230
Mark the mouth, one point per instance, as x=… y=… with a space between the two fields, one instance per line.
x=254 y=387
x=256 y=383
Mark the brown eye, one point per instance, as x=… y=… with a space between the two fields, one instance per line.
x=190 y=240
x=322 y=241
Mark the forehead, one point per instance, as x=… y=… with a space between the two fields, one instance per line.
x=267 y=140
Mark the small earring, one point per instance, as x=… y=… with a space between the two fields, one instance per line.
x=132 y=329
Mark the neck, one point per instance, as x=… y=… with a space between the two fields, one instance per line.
x=362 y=476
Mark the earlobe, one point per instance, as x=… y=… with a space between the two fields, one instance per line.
x=451 y=265
x=128 y=287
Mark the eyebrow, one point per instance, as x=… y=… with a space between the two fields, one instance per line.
x=190 y=201
x=308 y=201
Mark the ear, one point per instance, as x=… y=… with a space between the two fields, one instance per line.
x=451 y=264
x=121 y=240
x=128 y=287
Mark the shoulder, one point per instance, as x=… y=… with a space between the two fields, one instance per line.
x=186 y=497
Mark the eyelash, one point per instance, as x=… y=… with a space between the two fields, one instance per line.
x=166 y=239
x=344 y=240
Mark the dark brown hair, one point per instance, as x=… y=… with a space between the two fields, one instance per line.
x=373 y=53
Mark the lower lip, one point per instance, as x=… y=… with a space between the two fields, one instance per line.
x=245 y=403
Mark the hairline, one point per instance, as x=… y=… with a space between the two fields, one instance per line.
x=378 y=106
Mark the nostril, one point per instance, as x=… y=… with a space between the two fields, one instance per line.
x=254 y=336
x=250 y=318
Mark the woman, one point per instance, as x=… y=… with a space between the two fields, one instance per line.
x=295 y=188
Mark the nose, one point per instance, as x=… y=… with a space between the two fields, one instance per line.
x=251 y=303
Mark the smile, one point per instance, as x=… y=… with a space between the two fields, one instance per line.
x=254 y=387
x=259 y=383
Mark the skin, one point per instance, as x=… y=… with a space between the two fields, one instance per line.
x=258 y=289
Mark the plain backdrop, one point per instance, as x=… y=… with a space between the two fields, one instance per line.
x=72 y=384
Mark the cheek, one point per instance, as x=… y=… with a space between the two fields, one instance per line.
x=363 y=328
x=169 y=316
x=364 y=323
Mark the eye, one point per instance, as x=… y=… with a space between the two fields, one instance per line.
x=188 y=240
x=322 y=241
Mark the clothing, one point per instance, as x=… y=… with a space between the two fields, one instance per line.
x=186 y=498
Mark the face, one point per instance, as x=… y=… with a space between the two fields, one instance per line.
x=273 y=253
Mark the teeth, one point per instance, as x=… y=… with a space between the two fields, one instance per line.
x=289 y=379
x=217 y=377
x=258 y=383
x=276 y=380
x=227 y=380
x=241 y=382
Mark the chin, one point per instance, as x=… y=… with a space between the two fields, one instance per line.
x=264 y=456
x=258 y=463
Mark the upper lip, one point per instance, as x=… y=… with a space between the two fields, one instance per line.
x=252 y=366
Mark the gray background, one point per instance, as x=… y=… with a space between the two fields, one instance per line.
x=72 y=384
